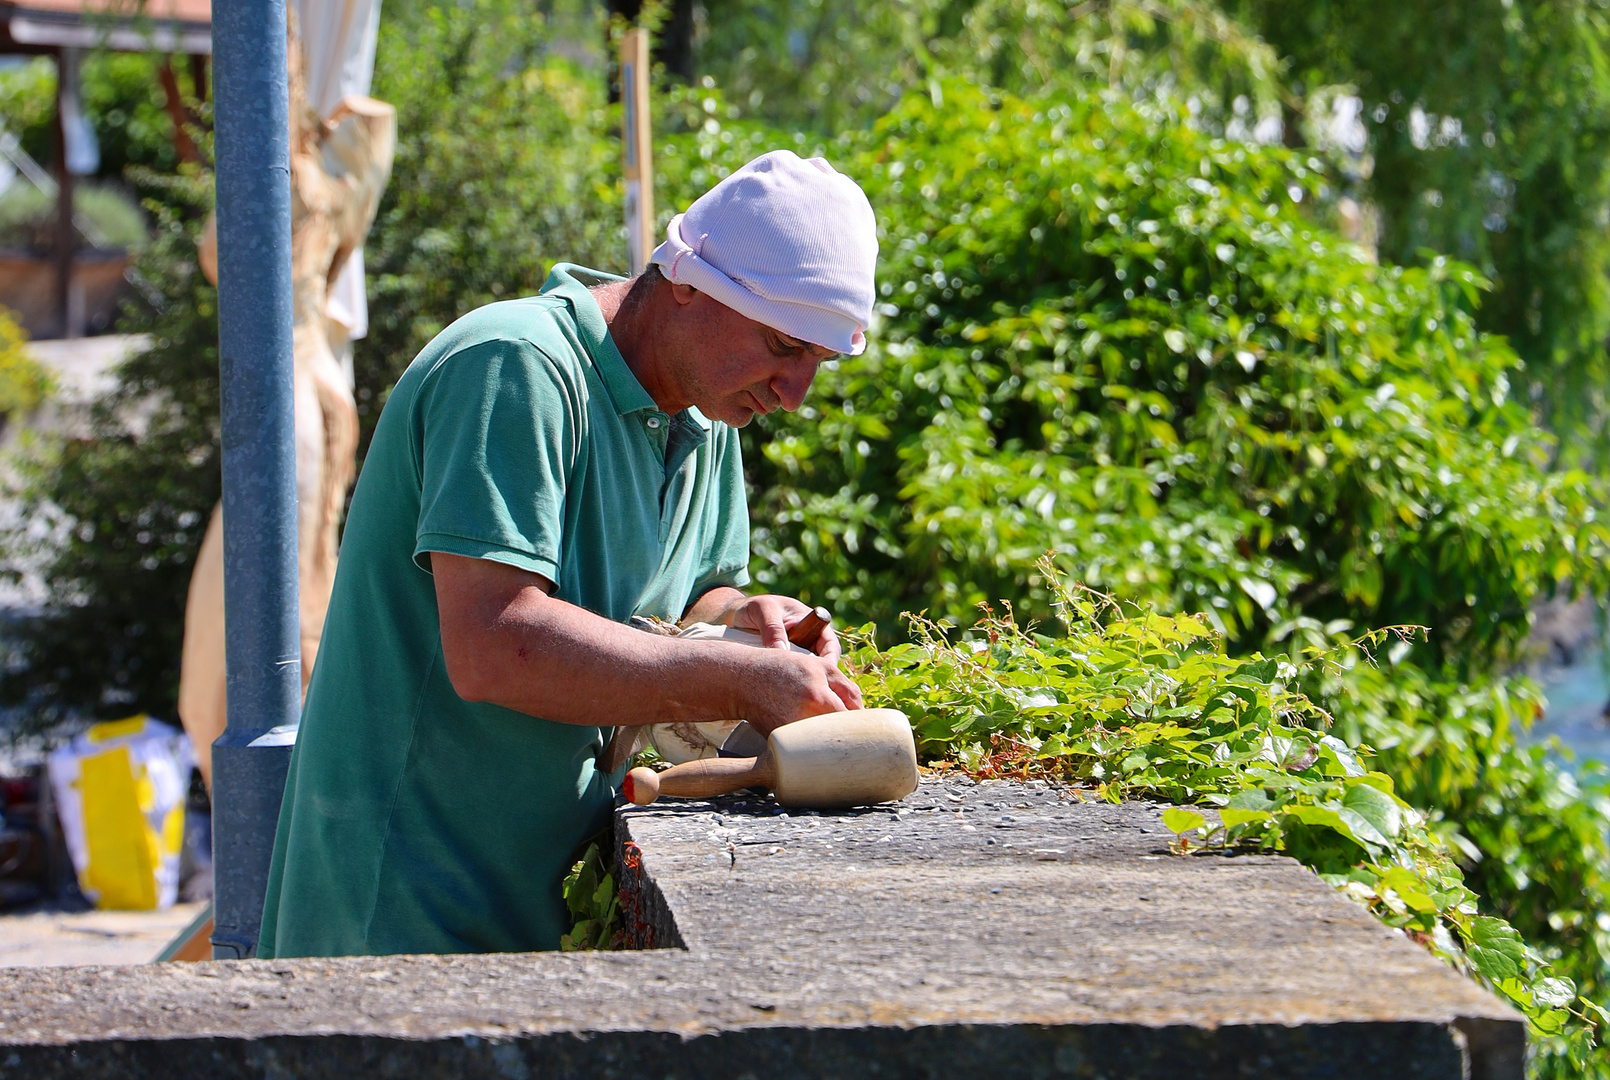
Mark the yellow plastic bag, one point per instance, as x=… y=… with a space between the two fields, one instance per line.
x=120 y=791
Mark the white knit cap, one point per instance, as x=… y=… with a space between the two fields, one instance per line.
x=786 y=242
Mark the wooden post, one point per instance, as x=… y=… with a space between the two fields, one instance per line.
x=639 y=171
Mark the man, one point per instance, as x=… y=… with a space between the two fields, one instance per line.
x=546 y=469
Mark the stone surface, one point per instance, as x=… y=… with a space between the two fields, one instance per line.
x=995 y=930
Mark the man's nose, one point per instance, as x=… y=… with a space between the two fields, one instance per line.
x=791 y=386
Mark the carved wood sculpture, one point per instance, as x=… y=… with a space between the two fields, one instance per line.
x=339 y=168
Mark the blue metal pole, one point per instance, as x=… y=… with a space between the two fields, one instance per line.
x=262 y=647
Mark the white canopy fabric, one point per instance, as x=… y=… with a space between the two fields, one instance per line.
x=338 y=43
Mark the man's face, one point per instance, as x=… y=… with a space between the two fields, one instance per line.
x=732 y=367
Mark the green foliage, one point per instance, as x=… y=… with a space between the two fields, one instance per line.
x=1486 y=124
x=505 y=164
x=125 y=505
x=1532 y=832
x=28 y=106
x=23 y=382
x=848 y=63
x=1489 y=129
x=122 y=99
x=594 y=904
x=28 y=217
x=1105 y=333
x=1141 y=705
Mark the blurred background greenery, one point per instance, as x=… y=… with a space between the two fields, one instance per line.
x=1293 y=315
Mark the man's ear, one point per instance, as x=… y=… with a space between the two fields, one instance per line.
x=683 y=294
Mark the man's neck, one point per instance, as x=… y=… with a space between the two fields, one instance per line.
x=630 y=328
x=609 y=297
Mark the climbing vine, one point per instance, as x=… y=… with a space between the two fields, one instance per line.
x=1126 y=703
x=1131 y=704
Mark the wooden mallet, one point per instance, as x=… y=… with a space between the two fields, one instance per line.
x=827 y=762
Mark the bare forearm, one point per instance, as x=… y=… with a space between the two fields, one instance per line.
x=509 y=643
x=506 y=641
x=715 y=606
x=561 y=662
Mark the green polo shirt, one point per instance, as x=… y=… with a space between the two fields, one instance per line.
x=414 y=821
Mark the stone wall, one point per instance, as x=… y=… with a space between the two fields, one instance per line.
x=996 y=930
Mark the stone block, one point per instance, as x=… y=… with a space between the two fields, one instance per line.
x=997 y=930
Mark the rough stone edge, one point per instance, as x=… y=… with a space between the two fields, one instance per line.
x=1495 y=1049
x=1491 y=1048
x=647 y=919
x=1414 y=1050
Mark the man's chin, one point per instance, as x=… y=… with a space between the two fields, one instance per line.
x=734 y=416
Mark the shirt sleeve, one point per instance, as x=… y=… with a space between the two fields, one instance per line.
x=726 y=557
x=499 y=432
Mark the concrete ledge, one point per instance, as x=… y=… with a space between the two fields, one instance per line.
x=996 y=931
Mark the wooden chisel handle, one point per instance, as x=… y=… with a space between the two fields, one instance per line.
x=808 y=629
x=699 y=779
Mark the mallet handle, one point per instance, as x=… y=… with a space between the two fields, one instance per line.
x=808 y=629
x=699 y=779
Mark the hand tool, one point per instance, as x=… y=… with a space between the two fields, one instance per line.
x=685 y=741
x=828 y=762
x=805 y=632
x=745 y=741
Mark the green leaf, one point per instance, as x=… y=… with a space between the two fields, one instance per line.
x=1495 y=949
x=1340 y=822
x=1260 y=671
x=1179 y=820
x=1231 y=816
x=1380 y=810
x=1251 y=799
x=1554 y=992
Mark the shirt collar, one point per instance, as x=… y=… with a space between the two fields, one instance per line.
x=693 y=414
x=570 y=283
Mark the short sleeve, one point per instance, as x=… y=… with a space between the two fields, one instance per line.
x=726 y=559
x=499 y=431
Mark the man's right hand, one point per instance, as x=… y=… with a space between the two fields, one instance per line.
x=792 y=686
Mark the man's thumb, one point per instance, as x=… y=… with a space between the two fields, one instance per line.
x=773 y=634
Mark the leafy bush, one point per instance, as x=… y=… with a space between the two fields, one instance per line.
x=1489 y=138
x=1140 y=705
x=28 y=106
x=1105 y=333
x=505 y=164
x=1484 y=130
x=848 y=63
x=1532 y=832
x=122 y=99
x=127 y=504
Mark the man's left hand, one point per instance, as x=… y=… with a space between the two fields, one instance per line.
x=769 y=615
x=773 y=617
